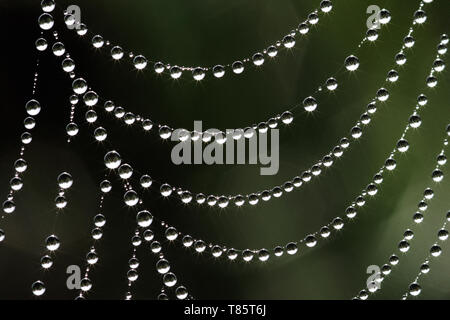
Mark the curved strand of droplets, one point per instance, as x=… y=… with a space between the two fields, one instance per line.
x=218 y=71
x=327 y=160
x=310 y=104
x=311 y=240
x=32 y=108
x=414 y=288
x=113 y=162
x=404 y=245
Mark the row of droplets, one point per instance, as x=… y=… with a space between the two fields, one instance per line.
x=404 y=244
x=113 y=161
x=309 y=103
x=140 y=62
x=52 y=242
x=32 y=108
x=414 y=288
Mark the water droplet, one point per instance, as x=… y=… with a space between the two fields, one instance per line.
x=326 y=6
x=414 y=289
x=159 y=67
x=131 y=198
x=163 y=266
x=272 y=51
x=33 y=107
x=372 y=34
x=289 y=41
x=46 y=262
x=100 y=134
x=170 y=279
x=219 y=71
x=310 y=104
x=97 y=41
x=175 y=72
x=291 y=248
x=20 y=165
x=9 y=206
x=409 y=41
x=82 y=29
x=140 y=62
x=415 y=121
x=311 y=241
x=171 y=234
x=443 y=234
x=58 y=49
x=46 y=21
x=85 y=284
x=403 y=246
x=435 y=250
x=68 y=65
x=65 y=180
x=117 y=53
x=258 y=59
x=420 y=16
x=144 y=218
x=382 y=94
x=79 y=86
x=38 y=288
x=41 y=44
x=351 y=63
x=432 y=82
x=72 y=129
x=402 y=145
x=52 y=243
x=437 y=175
x=393 y=76
x=181 y=293
x=125 y=171
x=313 y=18
x=92 y=258
x=385 y=16
x=331 y=84
x=166 y=190
x=198 y=74
x=400 y=59
x=99 y=220
x=105 y=186
x=238 y=67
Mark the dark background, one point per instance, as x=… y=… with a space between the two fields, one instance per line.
x=207 y=32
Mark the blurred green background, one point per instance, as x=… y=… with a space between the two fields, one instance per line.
x=205 y=32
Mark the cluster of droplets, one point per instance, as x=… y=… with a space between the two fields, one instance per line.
x=52 y=242
x=337 y=223
x=140 y=62
x=414 y=288
x=382 y=95
x=404 y=244
x=144 y=220
x=165 y=132
x=113 y=160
